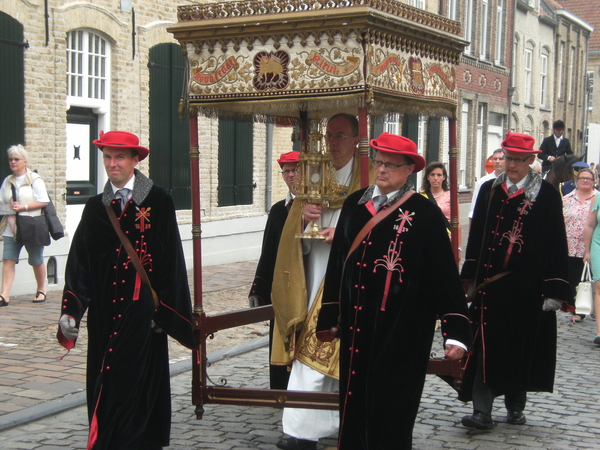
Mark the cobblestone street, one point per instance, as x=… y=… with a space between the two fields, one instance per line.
x=566 y=419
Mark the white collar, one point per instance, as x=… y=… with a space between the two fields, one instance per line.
x=377 y=192
x=519 y=185
x=128 y=185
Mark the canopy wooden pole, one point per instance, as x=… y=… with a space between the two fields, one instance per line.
x=196 y=211
x=199 y=359
x=453 y=153
x=363 y=145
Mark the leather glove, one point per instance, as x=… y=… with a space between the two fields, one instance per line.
x=551 y=304
x=255 y=301
x=67 y=327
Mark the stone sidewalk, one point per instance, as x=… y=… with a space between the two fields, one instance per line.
x=33 y=378
x=566 y=419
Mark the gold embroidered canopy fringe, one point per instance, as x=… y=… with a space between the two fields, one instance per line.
x=270 y=58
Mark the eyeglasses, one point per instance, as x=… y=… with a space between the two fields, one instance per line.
x=337 y=137
x=388 y=165
x=14 y=159
x=585 y=179
x=517 y=160
x=288 y=171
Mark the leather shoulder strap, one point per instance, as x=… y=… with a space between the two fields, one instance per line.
x=131 y=252
x=382 y=214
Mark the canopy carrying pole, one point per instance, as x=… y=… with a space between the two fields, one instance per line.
x=363 y=145
x=198 y=369
x=454 y=229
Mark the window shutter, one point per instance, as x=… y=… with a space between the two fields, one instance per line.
x=169 y=135
x=12 y=86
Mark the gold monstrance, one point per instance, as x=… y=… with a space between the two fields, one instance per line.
x=317 y=181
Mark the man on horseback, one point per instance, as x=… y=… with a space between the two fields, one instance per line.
x=554 y=146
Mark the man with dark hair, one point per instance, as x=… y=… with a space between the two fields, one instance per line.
x=554 y=146
x=515 y=272
x=498 y=161
x=260 y=292
x=390 y=274
x=129 y=314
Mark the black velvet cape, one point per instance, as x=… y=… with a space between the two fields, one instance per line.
x=527 y=240
x=385 y=343
x=263 y=281
x=128 y=386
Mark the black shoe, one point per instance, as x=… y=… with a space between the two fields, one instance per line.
x=293 y=443
x=479 y=421
x=3 y=301
x=516 y=417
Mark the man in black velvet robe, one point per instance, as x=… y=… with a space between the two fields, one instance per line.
x=128 y=386
x=516 y=266
x=392 y=282
x=260 y=292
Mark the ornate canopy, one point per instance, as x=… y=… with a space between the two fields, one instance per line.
x=277 y=58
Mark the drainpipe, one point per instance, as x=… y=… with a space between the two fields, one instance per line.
x=269 y=181
x=586 y=102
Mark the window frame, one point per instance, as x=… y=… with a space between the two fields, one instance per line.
x=559 y=84
x=528 y=69
x=543 y=79
x=483 y=37
x=93 y=73
x=498 y=59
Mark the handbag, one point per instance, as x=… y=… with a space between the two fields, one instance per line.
x=584 y=298
x=32 y=230
x=54 y=226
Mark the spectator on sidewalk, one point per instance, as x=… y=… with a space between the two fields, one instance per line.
x=297 y=287
x=23 y=192
x=515 y=270
x=591 y=239
x=568 y=186
x=260 y=292
x=384 y=288
x=498 y=160
x=576 y=206
x=436 y=189
x=128 y=385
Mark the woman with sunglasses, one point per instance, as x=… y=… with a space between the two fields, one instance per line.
x=22 y=193
x=576 y=205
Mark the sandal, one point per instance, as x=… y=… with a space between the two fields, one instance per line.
x=41 y=300
x=576 y=318
x=3 y=302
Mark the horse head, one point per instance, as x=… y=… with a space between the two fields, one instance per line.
x=562 y=169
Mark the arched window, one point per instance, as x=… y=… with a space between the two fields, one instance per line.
x=88 y=63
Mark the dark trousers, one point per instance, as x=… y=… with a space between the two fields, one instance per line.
x=575 y=266
x=483 y=397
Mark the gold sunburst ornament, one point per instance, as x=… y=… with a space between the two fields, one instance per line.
x=316 y=179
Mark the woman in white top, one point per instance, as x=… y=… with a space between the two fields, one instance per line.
x=31 y=197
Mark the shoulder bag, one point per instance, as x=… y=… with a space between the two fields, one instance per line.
x=54 y=226
x=31 y=230
x=584 y=298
